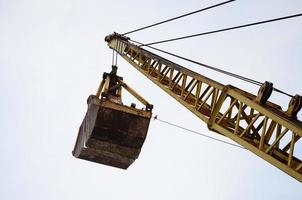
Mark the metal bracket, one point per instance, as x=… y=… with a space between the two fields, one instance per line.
x=112 y=85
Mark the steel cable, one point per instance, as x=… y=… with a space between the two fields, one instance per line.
x=178 y=17
x=195 y=132
x=222 y=30
x=204 y=65
x=249 y=80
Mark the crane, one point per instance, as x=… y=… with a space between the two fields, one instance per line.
x=250 y=120
x=113 y=133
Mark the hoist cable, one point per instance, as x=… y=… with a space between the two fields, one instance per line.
x=114 y=56
x=113 y=52
x=195 y=132
x=178 y=17
x=255 y=82
x=224 y=29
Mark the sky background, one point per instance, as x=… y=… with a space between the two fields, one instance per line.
x=52 y=56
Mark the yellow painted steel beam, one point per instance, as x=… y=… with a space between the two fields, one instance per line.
x=230 y=111
x=133 y=92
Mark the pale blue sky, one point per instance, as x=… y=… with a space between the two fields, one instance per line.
x=52 y=56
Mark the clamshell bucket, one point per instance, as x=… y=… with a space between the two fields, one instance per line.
x=112 y=133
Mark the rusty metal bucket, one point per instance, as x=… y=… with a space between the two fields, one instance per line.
x=111 y=133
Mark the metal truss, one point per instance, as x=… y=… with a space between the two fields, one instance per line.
x=263 y=129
